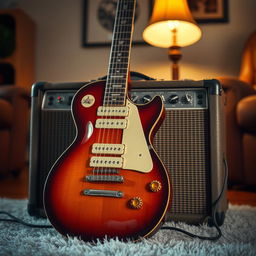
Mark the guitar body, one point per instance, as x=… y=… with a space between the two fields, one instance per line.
x=94 y=201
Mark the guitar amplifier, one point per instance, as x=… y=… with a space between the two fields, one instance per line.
x=190 y=142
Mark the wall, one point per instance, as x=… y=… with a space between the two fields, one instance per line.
x=60 y=56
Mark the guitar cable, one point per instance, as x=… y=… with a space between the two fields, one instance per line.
x=17 y=220
x=213 y=216
x=13 y=218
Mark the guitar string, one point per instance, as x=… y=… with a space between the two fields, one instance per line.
x=109 y=92
x=100 y=135
x=124 y=33
x=104 y=134
x=115 y=133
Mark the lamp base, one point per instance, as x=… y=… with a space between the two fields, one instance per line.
x=175 y=55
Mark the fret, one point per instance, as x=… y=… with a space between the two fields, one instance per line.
x=120 y=55
x=118 y=74
x=114 y=67
x=110 y=99
x=115 y=76
x=118 y=65
x=121 y=47
x=121 y=78
x=114 y=98
x=120 y=51
x=124 y=27
x=119 y=61
x=120 y=41
x=121 y=44
x=116 y=85
x=121 y=37
x=115 y=81
x=119 y=70
x=124 y=47
x=114 y=94
x=122 y=33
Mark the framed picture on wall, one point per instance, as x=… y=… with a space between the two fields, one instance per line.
x=98 y=21
x=209 y=11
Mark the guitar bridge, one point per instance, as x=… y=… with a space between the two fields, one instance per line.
x=105 y=178
x=99 y=192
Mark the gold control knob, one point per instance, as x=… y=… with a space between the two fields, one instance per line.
x=155 y=186
x=135 y=203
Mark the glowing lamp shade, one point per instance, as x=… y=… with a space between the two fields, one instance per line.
x=169 y=16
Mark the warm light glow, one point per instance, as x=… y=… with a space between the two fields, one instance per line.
x=173 y=24
x=169 y=15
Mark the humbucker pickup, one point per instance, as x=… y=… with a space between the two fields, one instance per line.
x=113 y=162
x=102 y=148
x=111 y=123
x=112 y=111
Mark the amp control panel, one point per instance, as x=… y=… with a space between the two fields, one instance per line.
x=172 y=98
x=58 y=100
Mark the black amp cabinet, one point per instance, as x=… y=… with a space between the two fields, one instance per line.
x=190 y=142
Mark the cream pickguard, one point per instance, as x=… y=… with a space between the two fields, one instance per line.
x=136 y=156
x=133 y=152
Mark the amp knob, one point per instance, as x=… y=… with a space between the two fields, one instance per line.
x=187 y=99
x=135 y=203
x=146 y=98
x=173 y=99
x=134 y=98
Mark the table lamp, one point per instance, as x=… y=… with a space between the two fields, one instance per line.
x=172 y=26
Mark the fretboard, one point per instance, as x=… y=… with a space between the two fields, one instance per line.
x=116 y=85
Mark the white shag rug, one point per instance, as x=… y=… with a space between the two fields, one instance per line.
x=239 y=238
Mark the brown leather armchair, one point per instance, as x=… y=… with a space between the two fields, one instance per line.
x=14 y=115
x=241 y=119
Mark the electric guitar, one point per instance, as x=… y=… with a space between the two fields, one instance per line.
x=110 y=181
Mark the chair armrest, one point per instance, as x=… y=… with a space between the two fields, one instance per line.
x=19 y=99
x=235 y=90
x=246 y=113
x=11 y=92
x=240 y=88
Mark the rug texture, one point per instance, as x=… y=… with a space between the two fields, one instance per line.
x=239 y=237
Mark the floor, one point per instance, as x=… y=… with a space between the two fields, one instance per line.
x=17 y=187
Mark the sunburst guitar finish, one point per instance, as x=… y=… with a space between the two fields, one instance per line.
x=110 y=182
x=129 y=207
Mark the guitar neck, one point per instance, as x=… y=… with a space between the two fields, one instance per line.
x=117 y=78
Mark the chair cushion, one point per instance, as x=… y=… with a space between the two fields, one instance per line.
x=6 y=114
x=246 y=113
